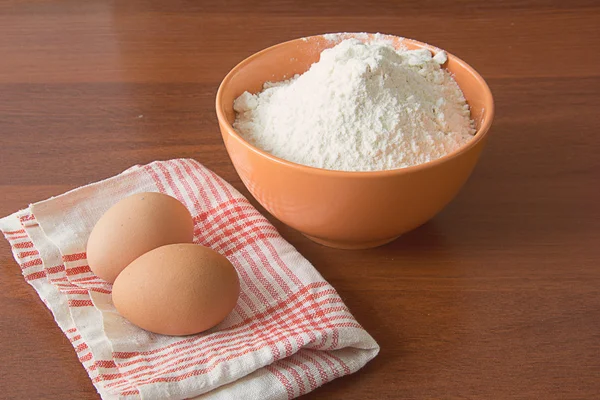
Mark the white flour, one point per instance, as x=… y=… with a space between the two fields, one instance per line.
x=362 y=107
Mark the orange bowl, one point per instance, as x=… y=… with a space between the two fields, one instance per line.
x=348 y=210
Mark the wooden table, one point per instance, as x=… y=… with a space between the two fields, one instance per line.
x=498 y=297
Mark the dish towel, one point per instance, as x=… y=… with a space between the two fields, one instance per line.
x=289 y=333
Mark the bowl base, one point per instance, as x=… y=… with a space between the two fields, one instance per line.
x=351 y=245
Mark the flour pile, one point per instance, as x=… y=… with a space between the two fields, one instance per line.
x=361 y=107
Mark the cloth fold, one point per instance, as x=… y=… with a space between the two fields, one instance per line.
x=289 y=333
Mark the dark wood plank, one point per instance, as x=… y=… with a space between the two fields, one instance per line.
x=497 y=297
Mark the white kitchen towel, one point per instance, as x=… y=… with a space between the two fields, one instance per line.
x=289 y=333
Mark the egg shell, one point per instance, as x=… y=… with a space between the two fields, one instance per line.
x=178 y=289
x=134 y=226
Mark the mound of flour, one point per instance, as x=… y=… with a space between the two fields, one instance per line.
x=361 y=107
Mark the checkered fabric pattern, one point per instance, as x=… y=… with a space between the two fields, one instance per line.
x=289 y=333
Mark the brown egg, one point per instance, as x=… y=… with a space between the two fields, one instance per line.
x=134 y=226
x=178 y=289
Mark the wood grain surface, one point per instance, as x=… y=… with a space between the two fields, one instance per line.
x=498 y=297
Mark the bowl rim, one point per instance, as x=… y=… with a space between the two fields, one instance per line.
x=480 y=134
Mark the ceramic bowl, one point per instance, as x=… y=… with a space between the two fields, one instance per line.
x=348 y=210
